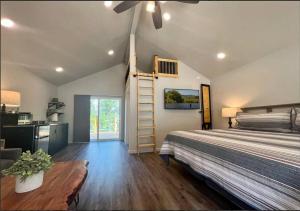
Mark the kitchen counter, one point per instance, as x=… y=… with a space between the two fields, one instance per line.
x=50 y=137
x=46 y=124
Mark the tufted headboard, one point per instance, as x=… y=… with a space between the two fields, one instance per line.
x=269 y=108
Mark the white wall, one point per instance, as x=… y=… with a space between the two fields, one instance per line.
x=35 y=92
x=131 y=114
x=273 y=79
x=169 y=120
x=110 y=82
x=127 y=113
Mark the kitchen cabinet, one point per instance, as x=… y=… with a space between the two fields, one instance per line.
x=28 y=137
x=58 y=137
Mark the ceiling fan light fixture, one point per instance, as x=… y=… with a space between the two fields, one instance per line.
x=153 y=7
x=107 y=3
x=150 y=6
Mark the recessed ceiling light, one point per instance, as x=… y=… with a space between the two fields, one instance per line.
x=107 y=3
x=59 y=69
x=7 y=22
x=150 y=6
x=221 y=55
x=110 y=52
x=162 y=2
x=166 y=16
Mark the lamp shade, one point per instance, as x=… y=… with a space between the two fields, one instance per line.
x=229 y=112
x=10 y=98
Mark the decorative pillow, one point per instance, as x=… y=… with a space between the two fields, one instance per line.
x=277 y=122
x=296 y=124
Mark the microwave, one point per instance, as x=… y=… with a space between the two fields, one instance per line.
x=24 y=118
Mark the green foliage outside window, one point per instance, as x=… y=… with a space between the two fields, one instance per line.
x=109 y=119
x=109 y=115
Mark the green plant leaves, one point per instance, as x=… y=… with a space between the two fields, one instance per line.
x=29 y=164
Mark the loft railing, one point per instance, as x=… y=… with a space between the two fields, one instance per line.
x=165 y=67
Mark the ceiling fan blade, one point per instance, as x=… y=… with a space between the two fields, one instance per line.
x=156 y=16
x=125 y=5
x=190 y=2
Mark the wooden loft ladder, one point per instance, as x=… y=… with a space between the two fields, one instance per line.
x=145 y=111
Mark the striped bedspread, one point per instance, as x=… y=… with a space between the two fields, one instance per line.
x=260 y=168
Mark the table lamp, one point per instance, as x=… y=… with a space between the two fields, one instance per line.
x=10 y=99
x=229 y=113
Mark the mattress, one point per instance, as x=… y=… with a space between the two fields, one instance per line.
x=260 y=168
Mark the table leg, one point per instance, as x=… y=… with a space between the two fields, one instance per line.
x=76 y=199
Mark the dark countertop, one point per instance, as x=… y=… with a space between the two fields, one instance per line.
x=34 y=125
x=58 y=123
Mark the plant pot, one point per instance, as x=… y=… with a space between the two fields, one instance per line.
x=30 y=183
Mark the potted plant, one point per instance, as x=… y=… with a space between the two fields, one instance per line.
x=29 y=170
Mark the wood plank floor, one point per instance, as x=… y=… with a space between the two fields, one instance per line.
x=118 y=181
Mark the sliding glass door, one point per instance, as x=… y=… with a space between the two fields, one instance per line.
x=105 y=116
x=94 y=116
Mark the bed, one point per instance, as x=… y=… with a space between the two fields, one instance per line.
x=260 y=168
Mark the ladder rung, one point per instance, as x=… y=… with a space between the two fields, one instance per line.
x=149 y=87
x=146 y=136
x=146 y=94
x=144 y=74
x=146 y=145
x=146 y=111
x=145 y=102
x=145 y=118
x=146 y=127
x=146 y=79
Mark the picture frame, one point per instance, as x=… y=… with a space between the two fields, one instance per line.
x=206 y=107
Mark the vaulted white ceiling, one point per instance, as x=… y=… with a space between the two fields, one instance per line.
x=245 y=31
x=77 y=35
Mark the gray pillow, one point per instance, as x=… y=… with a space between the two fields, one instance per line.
x=276 y=122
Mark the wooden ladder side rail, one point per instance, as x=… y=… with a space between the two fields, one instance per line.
x=137 y=115
x=153 y=112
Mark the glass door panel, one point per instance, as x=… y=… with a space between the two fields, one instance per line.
x=105 y=118
x=109 y=118
x=94 y=117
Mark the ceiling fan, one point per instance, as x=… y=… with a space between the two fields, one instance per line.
x=153 y=7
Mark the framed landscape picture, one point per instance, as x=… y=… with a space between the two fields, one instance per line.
x=206 y=107
x=181 y=99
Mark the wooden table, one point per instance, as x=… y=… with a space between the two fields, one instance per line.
x=60 y=187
